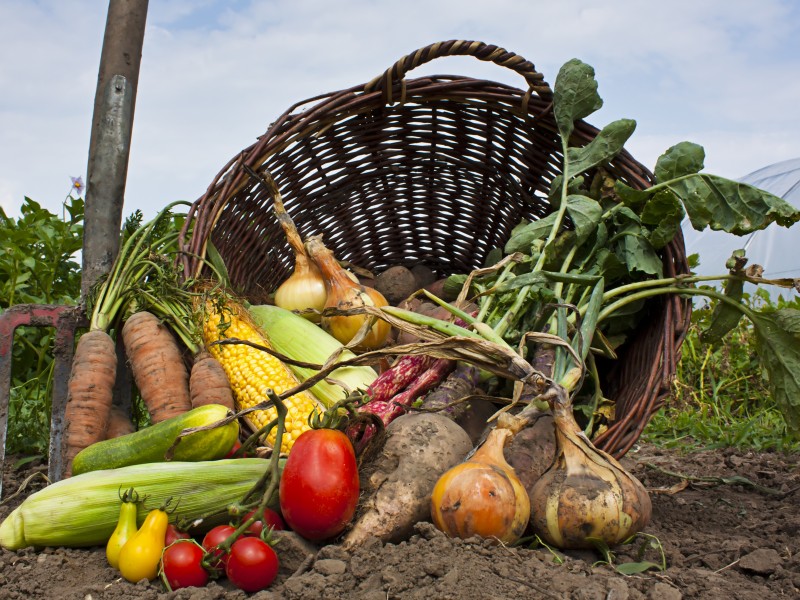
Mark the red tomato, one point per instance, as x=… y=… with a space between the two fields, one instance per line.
x=252 y=565
x=273 y=519
x=182 y=565
x=236 y=445
x=319 y=485
x=214 y=537
x=174 y=534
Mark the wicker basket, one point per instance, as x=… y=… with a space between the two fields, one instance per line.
x=435 y=171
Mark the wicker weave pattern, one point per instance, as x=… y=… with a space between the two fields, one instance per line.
x=434 y=170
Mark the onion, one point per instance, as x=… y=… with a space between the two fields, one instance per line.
x=586 y=496
x=304 y=290
x=344 y=293
x=482 y=496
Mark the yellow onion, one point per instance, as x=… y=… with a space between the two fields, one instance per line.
x=343 y=293
x=304 y=290
x=482 y=496
x=586 y=496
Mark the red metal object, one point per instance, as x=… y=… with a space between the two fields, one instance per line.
x=66 y=320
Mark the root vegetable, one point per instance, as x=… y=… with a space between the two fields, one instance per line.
x=532 y=450
x=89 y=393
x=208 y=383
x=462 y=382
x=157 y=366
x=345 y=294
x=423 y=275
x=90 y=388
x=119 y=423
x=482 y=496
x=304 y=290
x=397 y=488
x=396 y=284
x=586 y=496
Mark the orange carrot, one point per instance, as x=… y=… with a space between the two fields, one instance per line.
x=157 y=366
x=208 y=383
x=91 y=385
x=89 y=393
x=119 y=423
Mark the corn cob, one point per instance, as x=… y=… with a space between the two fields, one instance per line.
x=251 y=372
x=83 y=510
x=298 y=338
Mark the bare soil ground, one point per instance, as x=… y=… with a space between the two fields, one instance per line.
x=721 y=538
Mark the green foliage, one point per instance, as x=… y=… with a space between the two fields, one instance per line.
x=722 y=394
x=37 y=266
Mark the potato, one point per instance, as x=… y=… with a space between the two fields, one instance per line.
x=397 y=490
x=423 y=275
x=396 y=284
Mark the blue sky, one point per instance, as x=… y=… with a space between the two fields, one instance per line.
x=214 y=74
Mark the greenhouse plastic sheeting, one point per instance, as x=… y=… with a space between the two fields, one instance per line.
x=775 y=248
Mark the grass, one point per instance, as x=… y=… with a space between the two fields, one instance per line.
x=720 y=395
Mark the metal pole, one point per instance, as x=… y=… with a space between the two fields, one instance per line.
x=109 y=145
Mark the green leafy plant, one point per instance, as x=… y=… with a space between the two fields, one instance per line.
x=584 y=271
x=721 y=395
x=37 y=266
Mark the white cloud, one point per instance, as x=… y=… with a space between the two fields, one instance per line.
x=214 y=75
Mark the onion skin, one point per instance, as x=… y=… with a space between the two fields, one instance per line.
x=586 y=496
x=345 y=294
x=482 y=496
x=303 y=290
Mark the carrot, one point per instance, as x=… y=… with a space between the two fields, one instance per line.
x=91 y=383
x=119 y=423
x=173 y=303
x=89 y=393
x=208 y=383
x=157 y=366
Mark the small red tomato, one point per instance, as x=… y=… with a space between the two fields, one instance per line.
x=236 y=445
x=174 y=534
x=272 y=519
x=319 y=486
x=252 y=565
x=182 y=565
x=213 y=538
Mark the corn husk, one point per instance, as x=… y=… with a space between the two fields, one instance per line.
x=83 y=510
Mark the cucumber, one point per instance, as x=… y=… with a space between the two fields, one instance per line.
x=150 y=444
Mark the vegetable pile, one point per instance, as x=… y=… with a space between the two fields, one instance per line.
x=342 y=413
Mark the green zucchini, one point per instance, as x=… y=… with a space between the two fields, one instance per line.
x=151 y=444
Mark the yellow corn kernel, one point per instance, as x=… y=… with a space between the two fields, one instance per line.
x=252 y=372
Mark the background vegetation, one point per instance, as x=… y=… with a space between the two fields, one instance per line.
x=720 y=396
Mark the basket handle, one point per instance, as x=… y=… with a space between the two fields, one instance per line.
x=397 y=72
